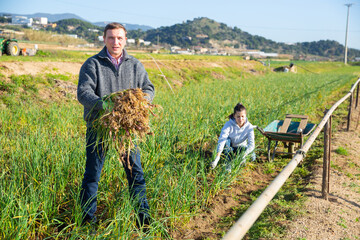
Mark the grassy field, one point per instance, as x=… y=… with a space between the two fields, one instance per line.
x=43 y=149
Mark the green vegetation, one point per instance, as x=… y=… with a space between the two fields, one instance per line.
x=78 y=27
x=52 y=55
x=50 y=36
x=43 y=150
x=342 y=223
x=342 y=151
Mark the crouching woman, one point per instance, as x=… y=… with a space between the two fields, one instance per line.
x=236 y=137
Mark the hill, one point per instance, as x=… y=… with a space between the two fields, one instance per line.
x=127 y=25
x=206 y=32
x=63 y=16
x=83 y=29
x=50 y=17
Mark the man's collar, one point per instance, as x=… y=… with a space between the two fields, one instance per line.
x=103 y=53
x=111 y=57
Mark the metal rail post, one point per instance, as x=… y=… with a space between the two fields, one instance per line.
x=349 y=114
x=326 y=159
x=357 y=96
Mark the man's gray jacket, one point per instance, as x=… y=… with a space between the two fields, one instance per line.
x=98 y=77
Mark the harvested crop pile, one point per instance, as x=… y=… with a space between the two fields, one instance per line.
x=124 y=121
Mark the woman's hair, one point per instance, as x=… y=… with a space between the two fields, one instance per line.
x=238 y=108
x=114 y=25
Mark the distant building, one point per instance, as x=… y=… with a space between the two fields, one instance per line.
x=213 y=51
x=86 y=45
x=199 y=49
x=174 y=48
x=72 y=35
x=260 y=54
x=52 y=25
x=70 y=27
x=202 y=36
x=40 y=20
x=6 y=15
x=184 y=51
x=130 y=41
x=21 y=20
x=269 y=54
x=223 y=53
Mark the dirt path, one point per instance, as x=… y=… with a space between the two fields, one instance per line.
x=339 y=217
x=33 y=68
x=73 y=68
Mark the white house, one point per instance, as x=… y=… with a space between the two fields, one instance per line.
x=260 y=54
x=72 y=35
x=130 y=41
x=173 y=49
x=40 y=20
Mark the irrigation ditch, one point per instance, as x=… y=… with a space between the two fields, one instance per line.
x=244 y=223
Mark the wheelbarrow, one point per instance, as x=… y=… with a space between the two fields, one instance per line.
x=287 y=131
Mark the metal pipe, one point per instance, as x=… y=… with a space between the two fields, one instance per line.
x=243 y=224
x=354 y=85
x=239 y=229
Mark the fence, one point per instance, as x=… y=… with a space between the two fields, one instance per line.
x=244 y=223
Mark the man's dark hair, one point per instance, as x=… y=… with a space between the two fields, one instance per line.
x=114 y=25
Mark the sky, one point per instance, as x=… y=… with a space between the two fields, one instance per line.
x=278 y=20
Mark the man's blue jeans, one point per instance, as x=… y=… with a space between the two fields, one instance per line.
x=95 y=157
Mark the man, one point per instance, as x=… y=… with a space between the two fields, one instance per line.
x=111 y=70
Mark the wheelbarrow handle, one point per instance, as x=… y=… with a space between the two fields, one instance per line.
x=260 y=130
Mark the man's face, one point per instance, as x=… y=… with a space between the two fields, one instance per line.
x=115 y=41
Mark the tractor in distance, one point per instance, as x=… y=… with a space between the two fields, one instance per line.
x=9 y=46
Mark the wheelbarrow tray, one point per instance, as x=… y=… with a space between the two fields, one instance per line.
x=272 y=131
